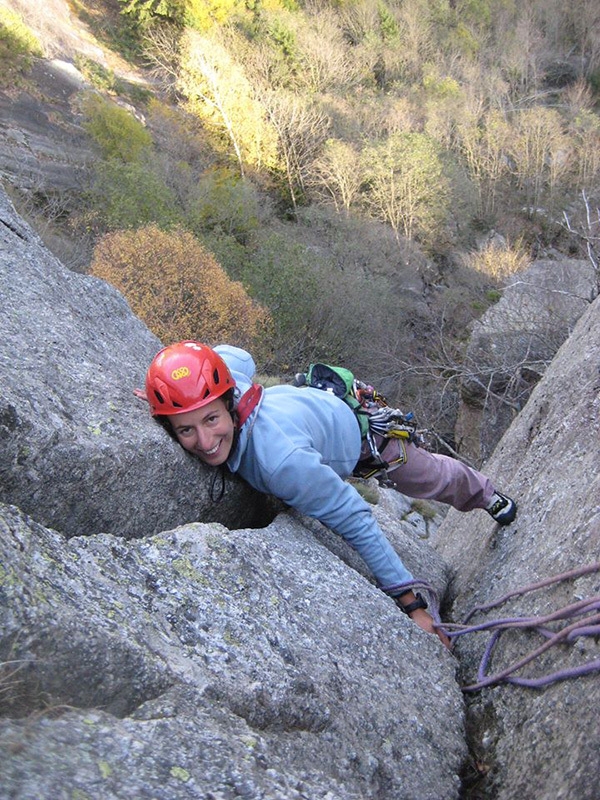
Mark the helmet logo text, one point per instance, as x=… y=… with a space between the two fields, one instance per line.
x=180 y=372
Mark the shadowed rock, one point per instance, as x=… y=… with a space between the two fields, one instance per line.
x=538 y=743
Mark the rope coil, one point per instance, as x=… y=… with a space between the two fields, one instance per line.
x=585 y=613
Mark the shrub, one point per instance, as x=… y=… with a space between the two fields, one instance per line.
x=223 y=201
x=498 y=262
x=132 y=195
x=177 y=288
x=18 y=44
x=117 y=132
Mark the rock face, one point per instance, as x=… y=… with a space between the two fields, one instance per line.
x=76 y=448
x=43 y=148
x=207 y=663
x=513 y=343
x=543 y=743
x=148 y=651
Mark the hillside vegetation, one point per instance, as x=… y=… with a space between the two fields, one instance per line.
x=339 y=164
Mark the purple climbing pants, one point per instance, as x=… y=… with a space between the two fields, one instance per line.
x=435 y=477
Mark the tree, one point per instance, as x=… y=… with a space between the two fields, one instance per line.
x=218 y=92
x=198 y=14
x=177 y=288
x=222 y=201
x=483 y=140
x=325 y=62
x=130 y=195
x=339 y=173
x=301 y=130
x=407 y=186
x=587 y=231
x=116 y=131
x=584 y=133
x=539 y=151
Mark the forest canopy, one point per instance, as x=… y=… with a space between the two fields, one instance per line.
x=345 y=164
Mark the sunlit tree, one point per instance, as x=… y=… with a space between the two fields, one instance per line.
x=483 y=138
x=539 y=151
x=301 y=129
x=407 y=185
x=217 y=91
x=338 y=173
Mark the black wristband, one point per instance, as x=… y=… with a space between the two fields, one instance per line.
x=420 y=602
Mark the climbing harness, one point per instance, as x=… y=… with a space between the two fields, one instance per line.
x=385 y=424
x=579 y=619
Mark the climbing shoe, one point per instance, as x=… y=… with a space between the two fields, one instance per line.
x=502 y=508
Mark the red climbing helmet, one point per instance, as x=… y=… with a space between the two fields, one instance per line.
x=186 y=376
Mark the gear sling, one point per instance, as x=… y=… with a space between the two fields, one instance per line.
x=378 y=422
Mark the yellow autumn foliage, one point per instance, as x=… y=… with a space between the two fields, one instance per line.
x=178 y=289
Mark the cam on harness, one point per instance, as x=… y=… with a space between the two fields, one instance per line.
x=378 y=422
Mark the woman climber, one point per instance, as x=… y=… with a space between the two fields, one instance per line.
x=299 y=445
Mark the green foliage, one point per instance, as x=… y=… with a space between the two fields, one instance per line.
x=280 y=275
x=99 y=76
x=226 y=202
x=493 y=295
x=18 y=44
x=465 y=41
x=283 y=39
x=387 y=22
x=143 y=11
x=117 y=132
x=201 y=15
x=407 y=185
x=131 y=194
x=475 y=13
x=438 y=86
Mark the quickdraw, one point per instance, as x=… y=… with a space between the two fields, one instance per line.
x=385 y=423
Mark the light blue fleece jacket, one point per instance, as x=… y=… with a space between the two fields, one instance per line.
x=299 y=445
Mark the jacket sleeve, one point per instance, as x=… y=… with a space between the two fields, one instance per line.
x=313 y=488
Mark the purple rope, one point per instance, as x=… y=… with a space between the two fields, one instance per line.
x=579 y=607
x=588 y=626
x=563 y=576
x=559 y=675
x=505 y=674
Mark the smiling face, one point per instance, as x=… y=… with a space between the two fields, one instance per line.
x=207 y=432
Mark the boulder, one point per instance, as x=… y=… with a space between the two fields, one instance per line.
x=77 y=449
x=208 y=663
x=546 y=742
x=513 y=343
